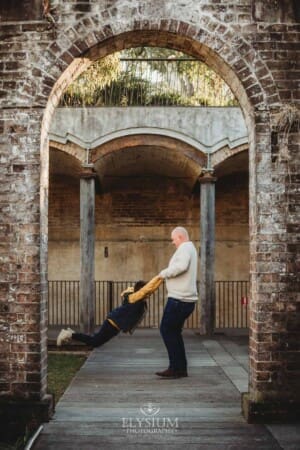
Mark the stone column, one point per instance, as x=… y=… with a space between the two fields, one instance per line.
x=207 y=256
x=87 y=249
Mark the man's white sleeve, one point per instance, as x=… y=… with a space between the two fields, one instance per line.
x=178 y=264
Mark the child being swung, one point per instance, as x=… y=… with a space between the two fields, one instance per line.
x=123 y=318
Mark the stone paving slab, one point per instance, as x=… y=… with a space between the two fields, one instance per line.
x=192 y=436
x=116 y=401
x=287 y=435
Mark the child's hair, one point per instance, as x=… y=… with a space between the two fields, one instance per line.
x=138 y=285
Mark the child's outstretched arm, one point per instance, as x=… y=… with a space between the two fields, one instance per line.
x=146 y=290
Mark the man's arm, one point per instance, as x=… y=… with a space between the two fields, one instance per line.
x=146 y=290
x=178 y=265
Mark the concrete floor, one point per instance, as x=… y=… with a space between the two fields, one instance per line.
x=116 y=400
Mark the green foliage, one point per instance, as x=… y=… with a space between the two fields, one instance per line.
x=83 y=91
x=170 y=99
x=123 y=92
x=18 y=445
x=61 y=369
x=148 y=77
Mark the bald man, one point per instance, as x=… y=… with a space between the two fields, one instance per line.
x=181 y=282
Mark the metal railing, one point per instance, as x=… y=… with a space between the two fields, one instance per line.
x=232 y=304
x=63 y=302
x=232 y=301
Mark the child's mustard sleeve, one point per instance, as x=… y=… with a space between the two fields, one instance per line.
x=146 y=290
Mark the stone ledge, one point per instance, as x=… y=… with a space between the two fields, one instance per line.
x=270 y=412
x=19 y=416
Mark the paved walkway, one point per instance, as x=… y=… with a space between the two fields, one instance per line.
x=116 y=401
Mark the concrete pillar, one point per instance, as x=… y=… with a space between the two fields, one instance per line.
x=87 y=249
x=207 y=256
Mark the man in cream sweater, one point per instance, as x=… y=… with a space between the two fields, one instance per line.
x=181 y=281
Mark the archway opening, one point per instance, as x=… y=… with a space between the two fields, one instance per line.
x=128 y=40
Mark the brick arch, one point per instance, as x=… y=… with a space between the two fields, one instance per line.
x=235 y=65
x=206 y=38
x=199 y=35
x=72 y=149
x=145 y=139
x=225 y=153
x=240 y=66
x=166 y=154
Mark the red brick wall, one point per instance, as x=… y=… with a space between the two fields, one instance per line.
x=149 y=206
x=160 y=203
x=64 y=208
x=149 y=210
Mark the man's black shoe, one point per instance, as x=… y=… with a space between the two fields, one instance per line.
x=170 y=373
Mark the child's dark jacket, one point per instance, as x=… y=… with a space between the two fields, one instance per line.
x=128 y=315
x=131 y=312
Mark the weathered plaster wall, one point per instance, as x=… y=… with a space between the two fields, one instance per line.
x=207 y=129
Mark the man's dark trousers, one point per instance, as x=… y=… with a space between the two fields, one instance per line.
x=175 y=314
